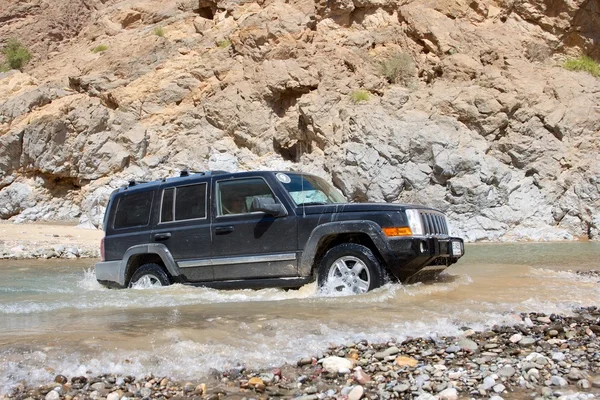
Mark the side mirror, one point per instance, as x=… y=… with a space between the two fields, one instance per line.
x=268 y=206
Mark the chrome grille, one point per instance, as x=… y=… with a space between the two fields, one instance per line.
x=433 y=223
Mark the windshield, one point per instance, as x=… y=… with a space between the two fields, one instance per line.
x=307 y=190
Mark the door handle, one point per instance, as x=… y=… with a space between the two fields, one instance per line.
x=162 y=236
x=223 y=230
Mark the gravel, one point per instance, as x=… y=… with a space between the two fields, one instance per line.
x=488 y=364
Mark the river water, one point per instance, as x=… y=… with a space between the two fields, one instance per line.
x=56 y=319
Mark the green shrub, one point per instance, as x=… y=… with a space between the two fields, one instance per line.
x=360 y=95
x=16 y=54
x=224 y=43
x=399 y=68
x=583 y=63
x=159 y=31
x=100 y=48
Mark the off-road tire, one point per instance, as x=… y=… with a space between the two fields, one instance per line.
x=154 y=272
x=351 y=257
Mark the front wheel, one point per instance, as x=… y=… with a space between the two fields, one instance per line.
x=352 y=268
x=150 y=275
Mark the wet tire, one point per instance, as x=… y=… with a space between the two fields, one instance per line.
x=352 y=268
x=150 y=275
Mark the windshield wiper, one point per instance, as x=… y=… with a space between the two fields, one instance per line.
x=313 y=203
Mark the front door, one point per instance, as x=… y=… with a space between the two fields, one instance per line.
x=247 y=243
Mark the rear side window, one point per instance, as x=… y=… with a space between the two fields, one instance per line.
x=184 y=203
x=133 y=210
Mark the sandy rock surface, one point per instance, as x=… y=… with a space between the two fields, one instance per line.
x=48 y=240
x=465 y=106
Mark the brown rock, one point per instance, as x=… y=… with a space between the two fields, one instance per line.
x=406 y=361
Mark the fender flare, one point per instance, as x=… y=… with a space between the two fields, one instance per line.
x=153 y=248
x=370 y=228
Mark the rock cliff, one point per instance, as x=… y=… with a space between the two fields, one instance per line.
x=461 y=105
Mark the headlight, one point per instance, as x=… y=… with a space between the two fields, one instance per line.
x=414 y=221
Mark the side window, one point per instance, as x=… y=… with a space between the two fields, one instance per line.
x=183 y=203
x=235 y=196
x=166 y=210
x=133 y=210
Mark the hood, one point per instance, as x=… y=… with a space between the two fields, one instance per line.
x=360 y=207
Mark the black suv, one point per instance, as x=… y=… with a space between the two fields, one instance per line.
x=266 y=229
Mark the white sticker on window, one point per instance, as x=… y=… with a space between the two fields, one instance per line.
x=283 y=178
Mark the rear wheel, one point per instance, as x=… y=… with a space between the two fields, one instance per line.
x=150 y=275
x=352 y=268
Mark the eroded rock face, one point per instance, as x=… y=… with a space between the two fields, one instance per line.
x=469 y=109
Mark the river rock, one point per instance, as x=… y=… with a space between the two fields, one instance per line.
x=453 y=349
x=507 y=371
x=361 y=376
x=448 y=394
x=488 y=382
x=406 y=361
x=527 y=341
x=558 y=381
x=335 y=364
x=468 y=344
x=356 y=393
x=584 y=384
x=52 y=395
x=499 y=388
x=113 y=396
x=516 y=338
x=401 y=388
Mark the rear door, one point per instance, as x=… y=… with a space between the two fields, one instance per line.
x=130 y=223
x=249 y=244
x=183 y=226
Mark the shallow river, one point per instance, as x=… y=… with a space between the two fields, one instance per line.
x=55 y=318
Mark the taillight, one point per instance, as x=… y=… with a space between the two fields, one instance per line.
x=102 y=249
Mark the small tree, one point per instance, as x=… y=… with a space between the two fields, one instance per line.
x=398 y=68
x=16 y=54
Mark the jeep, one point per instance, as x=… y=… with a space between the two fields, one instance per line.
x=266 y=229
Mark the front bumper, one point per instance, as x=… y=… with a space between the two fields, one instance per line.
x=415 y=257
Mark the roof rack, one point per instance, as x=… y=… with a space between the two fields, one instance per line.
x=134 y=182
x=186 y=172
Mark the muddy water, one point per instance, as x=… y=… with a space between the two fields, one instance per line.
x=55 y=318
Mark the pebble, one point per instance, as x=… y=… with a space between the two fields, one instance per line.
x=336 y=364
x=356 y=393
x=558 y=381
x=527 y=341
x=448 y=394
x=401 y=388
x=516 y=338
x=52 y=395
x=499 y=388
x=507 y=371
x=113 y=396
x=361 y=376
x=468 y=344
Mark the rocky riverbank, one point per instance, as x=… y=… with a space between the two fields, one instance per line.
x=45 y=241
x=540 y=356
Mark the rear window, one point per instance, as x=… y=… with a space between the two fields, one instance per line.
x=184 y=203
x=133 y=210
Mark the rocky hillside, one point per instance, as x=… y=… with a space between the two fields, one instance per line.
x=462 y=105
